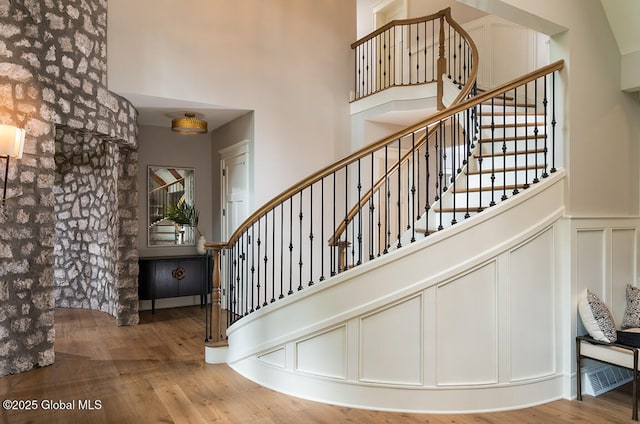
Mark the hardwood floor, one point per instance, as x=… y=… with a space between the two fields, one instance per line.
x=155 y=373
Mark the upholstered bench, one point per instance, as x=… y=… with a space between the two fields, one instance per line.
x=610 y=353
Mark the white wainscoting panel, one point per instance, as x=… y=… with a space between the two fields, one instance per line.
x=623 y=269
x=276 y=358
x=532 y=308
x=466 y=329
x=324 y=354
x=391 y=344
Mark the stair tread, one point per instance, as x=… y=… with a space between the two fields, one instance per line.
x=512 y=138
x=495 y=187
x=509 y=153
x=509 y=169
x=513 y=125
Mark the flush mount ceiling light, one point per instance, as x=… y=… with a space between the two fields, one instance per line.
x=189 y=124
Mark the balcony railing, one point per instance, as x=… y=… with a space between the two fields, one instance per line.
x=412 y=52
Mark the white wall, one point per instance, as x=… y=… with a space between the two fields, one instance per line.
x=601 y=123
x=288 y=60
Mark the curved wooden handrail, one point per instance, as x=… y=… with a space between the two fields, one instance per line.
x=398 y=22
x=466 y=89
x=334 y=239
x=359 y=154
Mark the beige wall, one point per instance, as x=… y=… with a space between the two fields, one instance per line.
x=287 y=60
x=601 y=123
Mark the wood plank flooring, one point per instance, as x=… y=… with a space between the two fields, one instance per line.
x=155 y=373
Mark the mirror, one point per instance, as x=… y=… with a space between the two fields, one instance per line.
x=172 y=216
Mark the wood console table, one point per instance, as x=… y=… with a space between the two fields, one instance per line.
x=172 y=276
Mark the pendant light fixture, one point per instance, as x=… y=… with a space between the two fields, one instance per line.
x=189 y=124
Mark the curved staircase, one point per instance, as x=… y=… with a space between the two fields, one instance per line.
x=399 y=277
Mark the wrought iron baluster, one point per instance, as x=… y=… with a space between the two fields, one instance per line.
x=546 y=129
x=310 y=235
x=322 y=229
x=535 y=129
x=281 y=251
x=413 y=187
x=427 y=176
x=300 y=261
x=371 y=212
x=504 y=147
x=399 y=195
x=553 y=122
x=273 y=252
x=290 y=292
x=359 y=213
x=258 y=243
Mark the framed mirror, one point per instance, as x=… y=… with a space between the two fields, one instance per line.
x=173 y=218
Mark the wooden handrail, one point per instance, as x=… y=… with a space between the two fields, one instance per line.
x=399 y=22
x=359 y=154
x=334 y=239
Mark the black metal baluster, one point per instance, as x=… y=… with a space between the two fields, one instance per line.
x=281 y=251
x=544 y=103
x=409 y=37
x=310 y=235
x=440 y=164
x=379 y=221
x=553 y=122
x=399 y=245
x=453 y=167
x=459 y=62
x=265 y=258
x=359 y=213
x=478 y=132
x=493 y=153
x=258 y=285
x=273 y=253
x=504 y=147
x=387 y=199
x=535 y=129
x=290 y=292
x=427 y=205
x=334 y=242
x=371 y=212
x=425 y=51
x=466 y=158
x=346 y=219
x=300 y=261
x=322 y=248
x=413 y=187
x=417 y=55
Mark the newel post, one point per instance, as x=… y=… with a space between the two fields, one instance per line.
x=215 y=335
x=441 y=65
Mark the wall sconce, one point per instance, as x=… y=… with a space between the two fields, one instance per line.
x=11 y=145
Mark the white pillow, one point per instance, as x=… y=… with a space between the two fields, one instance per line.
x=596 y=318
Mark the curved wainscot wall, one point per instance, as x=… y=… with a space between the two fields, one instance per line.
x=461 y=321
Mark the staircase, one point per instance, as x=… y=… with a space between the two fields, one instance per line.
x=510 y=154
x=394 y=277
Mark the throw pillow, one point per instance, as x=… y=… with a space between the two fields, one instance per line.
x=631 y=318
x=596 y=318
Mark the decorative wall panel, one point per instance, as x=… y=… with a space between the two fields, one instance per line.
x=324 y=354
x=466 y=332
x=392 y=353
x=532 y=308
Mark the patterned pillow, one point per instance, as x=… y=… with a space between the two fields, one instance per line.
x=596 y=318
x=631 y=318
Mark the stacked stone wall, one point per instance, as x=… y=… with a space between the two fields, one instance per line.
x=79 y=135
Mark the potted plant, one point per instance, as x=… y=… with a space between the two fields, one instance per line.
x=185 y=214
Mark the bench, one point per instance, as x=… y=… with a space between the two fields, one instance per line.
x=610 y=353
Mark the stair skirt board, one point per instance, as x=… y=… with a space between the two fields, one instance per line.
x=442 y=337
